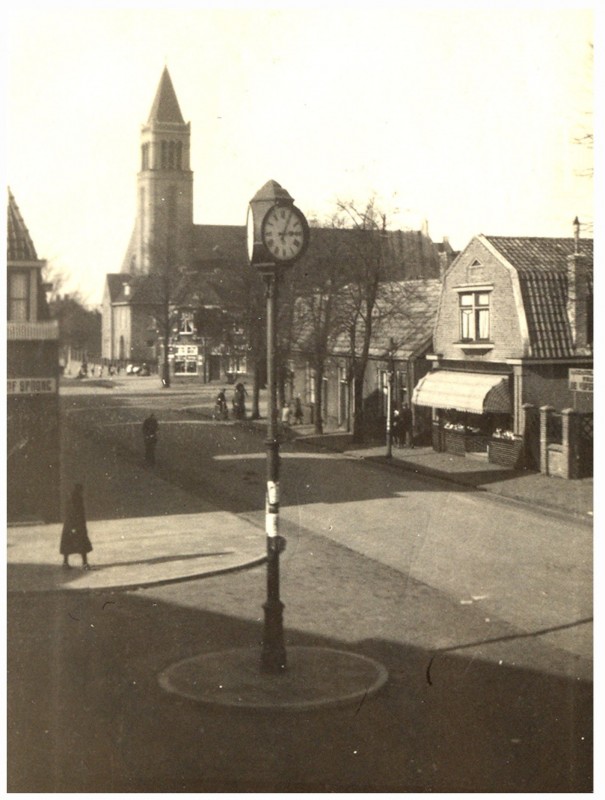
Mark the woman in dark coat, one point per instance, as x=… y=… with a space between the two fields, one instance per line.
x=74 y=538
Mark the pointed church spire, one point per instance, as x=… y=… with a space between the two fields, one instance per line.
x=19 y=243
x=165 y=107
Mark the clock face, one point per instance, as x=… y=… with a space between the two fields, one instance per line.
x=285 y=233
x=250 y=233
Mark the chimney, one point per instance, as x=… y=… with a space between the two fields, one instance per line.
x=577 y=297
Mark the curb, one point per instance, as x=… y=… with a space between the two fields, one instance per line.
x=406 y=466
x=316 y=678
x=133 y=587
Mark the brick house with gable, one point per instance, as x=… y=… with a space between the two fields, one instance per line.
x=513 y=326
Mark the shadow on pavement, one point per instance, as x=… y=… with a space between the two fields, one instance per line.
x=83 y=697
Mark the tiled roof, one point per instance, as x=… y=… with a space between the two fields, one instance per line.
x=204 y=289
x=410 y=326
x=406 y=254
x=224 y=244
x=144 y=289
x=165 y=107
x=115 y=281
x=541 y=264
x=534 y=252
x=19 y=245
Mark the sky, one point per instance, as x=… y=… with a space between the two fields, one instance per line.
x=461 y=116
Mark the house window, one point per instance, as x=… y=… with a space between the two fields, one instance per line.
x=18 y=296
x=186 y=323
x=474 y=316
x=185 y=366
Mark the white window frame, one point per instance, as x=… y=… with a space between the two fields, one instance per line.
x=473 y=312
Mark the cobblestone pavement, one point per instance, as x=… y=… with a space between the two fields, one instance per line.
x=474 y=701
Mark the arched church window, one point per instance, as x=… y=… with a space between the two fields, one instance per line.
x=171 y=155
x=179 y=155
x=164 y=155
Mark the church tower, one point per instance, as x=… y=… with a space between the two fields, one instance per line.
x=164 y=225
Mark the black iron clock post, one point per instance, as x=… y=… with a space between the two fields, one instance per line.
x=278 y=236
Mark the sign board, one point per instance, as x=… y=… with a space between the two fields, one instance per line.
x=581 y=380
x=31 y=386
x=186 y=350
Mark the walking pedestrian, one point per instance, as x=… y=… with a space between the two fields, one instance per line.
x=407 y=426
x=298 y=411
x=150 y=438
x=396 y=428
x=74 y=537
x=239 y=401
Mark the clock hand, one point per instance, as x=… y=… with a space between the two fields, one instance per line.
x=285 y=228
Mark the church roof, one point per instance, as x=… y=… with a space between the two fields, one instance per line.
x=223 y=244
x=19 y=243
x=165 y=107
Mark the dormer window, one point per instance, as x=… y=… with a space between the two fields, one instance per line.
x=474 y=316
x=187 y=327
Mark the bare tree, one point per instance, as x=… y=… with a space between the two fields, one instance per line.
x=316 y=317
x=165 y=255
x=367 y=269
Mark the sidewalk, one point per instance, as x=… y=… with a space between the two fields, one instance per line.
x=154 y=532
x=144 y=530
x=572 y=498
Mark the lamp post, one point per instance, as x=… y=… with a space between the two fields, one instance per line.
x=278 y=235
x=390 y=381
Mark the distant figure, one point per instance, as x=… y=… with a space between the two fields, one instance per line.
x=285 y=414
x=396 y=428
x=239 y=401
x=406 y=426
x=74 y=537
x=220 y=406
x=298 y=411
x=150 y=438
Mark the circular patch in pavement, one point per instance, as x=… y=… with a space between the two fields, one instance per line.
x=315 y=677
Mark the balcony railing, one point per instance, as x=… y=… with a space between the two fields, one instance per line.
x=32 y=331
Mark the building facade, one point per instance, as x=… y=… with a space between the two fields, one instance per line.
x=397 y=359
x=513 y=329
x=33 y=444
x=168 y=252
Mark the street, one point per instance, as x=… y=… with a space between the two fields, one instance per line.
x=480 y=609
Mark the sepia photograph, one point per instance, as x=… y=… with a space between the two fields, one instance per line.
x=299 y=411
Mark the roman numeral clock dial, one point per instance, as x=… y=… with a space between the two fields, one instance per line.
x=285 y=232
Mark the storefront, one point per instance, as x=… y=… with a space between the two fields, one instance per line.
x=187 y=360
x=471 y=413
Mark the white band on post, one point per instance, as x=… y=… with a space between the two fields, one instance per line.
x=271 y=524
x=272 y=492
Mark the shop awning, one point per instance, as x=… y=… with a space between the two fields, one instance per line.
x=474 y=392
